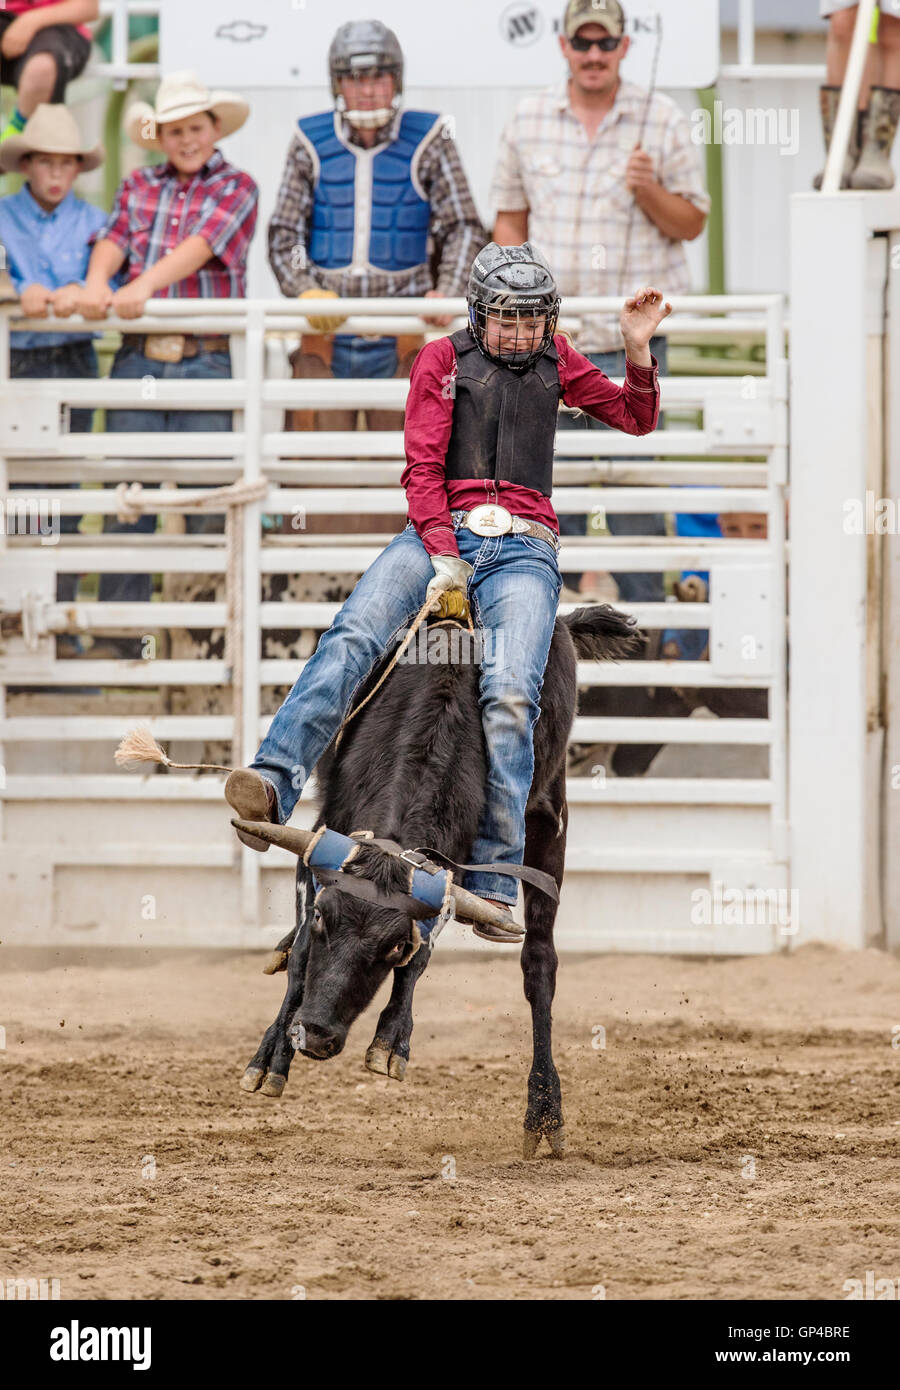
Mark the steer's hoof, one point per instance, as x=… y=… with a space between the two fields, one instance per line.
x=556 y=1138
x=273 y=1084
x=383 y=1062
x=557 y=1141
x=252 y=1078
x=532 y=1139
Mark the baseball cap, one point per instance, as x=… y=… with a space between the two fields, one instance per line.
x=609 y=13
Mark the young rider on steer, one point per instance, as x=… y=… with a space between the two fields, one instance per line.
x=480 y=425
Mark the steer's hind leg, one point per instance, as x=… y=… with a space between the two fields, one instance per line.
x=268 y=1069
x=545 y=847
x=388 y=1052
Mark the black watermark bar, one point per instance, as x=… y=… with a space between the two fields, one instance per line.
x=62 y=1338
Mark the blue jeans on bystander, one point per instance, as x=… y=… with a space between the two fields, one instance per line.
x=131 y=365
x=353 y=356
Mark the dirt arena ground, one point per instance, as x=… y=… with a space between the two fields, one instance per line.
x=737 y=1136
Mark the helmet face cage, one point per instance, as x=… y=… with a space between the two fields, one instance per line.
x=365 y=65
x=378 y=116
x=504 y=311
x=365 y=48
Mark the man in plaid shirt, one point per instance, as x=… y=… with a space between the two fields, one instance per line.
x=607 y=212
x=369 y=192
x=178 y=230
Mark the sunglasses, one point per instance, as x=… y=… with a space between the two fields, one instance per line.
x=585 y=45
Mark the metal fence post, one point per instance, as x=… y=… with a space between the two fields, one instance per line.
x=891 y=598
x=833 y=801
x=777 y=372
x=252 y=589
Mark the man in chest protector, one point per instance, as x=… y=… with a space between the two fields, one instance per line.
x=374 y=203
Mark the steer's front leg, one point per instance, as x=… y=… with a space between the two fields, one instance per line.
x=545 y=847
x=388 y=1052
x=268 y=1069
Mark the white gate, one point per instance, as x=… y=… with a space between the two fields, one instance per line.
x=89 y=854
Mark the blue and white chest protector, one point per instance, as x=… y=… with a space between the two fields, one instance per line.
x=369 y=209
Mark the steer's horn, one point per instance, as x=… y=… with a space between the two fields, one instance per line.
x=297 y=841
x=480 y=910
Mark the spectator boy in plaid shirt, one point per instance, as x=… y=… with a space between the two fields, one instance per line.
x=180 y=229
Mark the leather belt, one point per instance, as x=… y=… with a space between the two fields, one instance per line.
x=492 y=520
x=192 y=346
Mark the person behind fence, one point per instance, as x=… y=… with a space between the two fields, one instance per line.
x=872 y=133
x=45 y=230
x=609 y=213
x=43 y=45
x=180 y=229
x=480 y=426
x=367 y=189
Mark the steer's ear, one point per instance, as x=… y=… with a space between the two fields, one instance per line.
x=395 y=955
x=297 y=841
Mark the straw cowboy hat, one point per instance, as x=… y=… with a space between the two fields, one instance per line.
x=48 y=130
x=180 y=95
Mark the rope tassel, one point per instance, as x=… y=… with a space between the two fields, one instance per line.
x=139 y=746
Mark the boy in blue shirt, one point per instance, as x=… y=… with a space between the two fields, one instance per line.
x=44 y=231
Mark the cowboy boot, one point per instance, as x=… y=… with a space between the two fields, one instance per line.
x=874 y=167
x=829 y=98
x=254 y=799
x=488 y=932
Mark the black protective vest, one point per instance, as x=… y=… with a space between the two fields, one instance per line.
x=504 y=422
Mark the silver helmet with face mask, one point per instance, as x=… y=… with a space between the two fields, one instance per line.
x=365 y=46
x=514 y=287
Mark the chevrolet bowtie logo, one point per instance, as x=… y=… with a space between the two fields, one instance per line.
x=241 y=31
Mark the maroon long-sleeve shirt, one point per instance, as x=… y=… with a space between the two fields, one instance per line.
x=431 y=496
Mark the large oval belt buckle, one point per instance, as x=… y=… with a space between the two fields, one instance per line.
x=489 y=520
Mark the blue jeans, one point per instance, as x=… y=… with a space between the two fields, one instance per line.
x=514 y=593
x=65 y=360
x=132 y=365
x=633 y=588
x=354 y=357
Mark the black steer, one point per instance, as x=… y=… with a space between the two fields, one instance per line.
x=411 y=767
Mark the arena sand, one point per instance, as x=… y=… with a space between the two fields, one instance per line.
x=737 y=1136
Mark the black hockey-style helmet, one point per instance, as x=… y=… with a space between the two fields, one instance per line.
x=515 y=285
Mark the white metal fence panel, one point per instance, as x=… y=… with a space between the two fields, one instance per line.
x=92 y=854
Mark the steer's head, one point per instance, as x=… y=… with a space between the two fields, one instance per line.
x=353 y=946
x=354 y=943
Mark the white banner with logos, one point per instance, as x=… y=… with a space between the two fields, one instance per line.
x=468 y=43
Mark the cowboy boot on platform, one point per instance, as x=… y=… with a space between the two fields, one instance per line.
x=829 y=97
x=874 y=167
